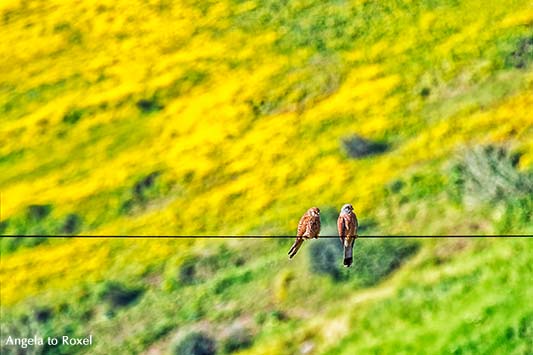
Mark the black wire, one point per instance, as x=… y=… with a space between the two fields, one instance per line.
x=273 y=236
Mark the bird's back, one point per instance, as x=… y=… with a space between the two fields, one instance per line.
x=347 y=224
x=309 y=226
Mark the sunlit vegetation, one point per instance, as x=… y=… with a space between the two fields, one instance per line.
x=232 y=118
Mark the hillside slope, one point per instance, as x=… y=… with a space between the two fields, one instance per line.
x=232 y=118
x=229 y=117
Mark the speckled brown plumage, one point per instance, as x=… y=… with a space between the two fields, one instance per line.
x=347 y=226
x=308 y=227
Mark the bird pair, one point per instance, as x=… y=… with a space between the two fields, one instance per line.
x=309 y=227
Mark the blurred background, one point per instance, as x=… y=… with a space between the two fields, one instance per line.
x=200 y=118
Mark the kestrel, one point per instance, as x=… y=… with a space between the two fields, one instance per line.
x=308 y=227
x=347 y=226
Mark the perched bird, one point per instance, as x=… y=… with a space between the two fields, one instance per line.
x=308 y=227
x=347 y=226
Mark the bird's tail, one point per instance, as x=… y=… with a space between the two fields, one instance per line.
x=294 y=249
x=348 y=252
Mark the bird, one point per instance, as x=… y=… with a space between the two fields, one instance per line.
x=347 y=226
x=308 y=227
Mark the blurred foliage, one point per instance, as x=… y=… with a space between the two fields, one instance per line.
x=373 y=259
x=324 y=256
x=195 y=343
x=489 y=173
x=160 y=117
x=238 y=338
x=20 y=327
x=10 y=244
x=522 y=56
x=376 y=259
x=161 y=128
x=38 y=220
x=359 y=147
x=118 y=295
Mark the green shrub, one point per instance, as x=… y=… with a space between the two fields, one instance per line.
x=187 y=271
x=118 y=295
x=195 y=343
x=358 y=147
x=38 y=212
x=239 y=338
x=145 y=189
x=37 y=220
x=149 y=105
x=522 y=54
x=325 y=257
x=72 y=224
x=10 y=244
x=488 y=173
x=518 y=212
x=43 y=314
x=3 y=226
x=73 y=116
x=376 y=258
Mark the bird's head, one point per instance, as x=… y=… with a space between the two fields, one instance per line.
x=314 y=211
x=347 y=208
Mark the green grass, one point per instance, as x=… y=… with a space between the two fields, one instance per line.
x=453 y=303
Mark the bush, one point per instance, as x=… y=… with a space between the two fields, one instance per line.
x=522 y=55
x=118 y=295
x=187 y=271
x=141 y=189
x=149 y=105
x=375 y=259
x=359 y=147
x=73 y=116
x=488 y=173
x=195 y=343
x=38 y=212
x=43 y=314
x=3 y=226
x=238 y=338
x=325 y=256
x=72 y=224
x=10 y=244
x=518 y=212
x=145 y=189
x=37 y=220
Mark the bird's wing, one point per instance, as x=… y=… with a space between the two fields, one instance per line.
x=302 y=225
x=341 y=228
x=356 y=224
x=349 y=224
x=314 y=227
